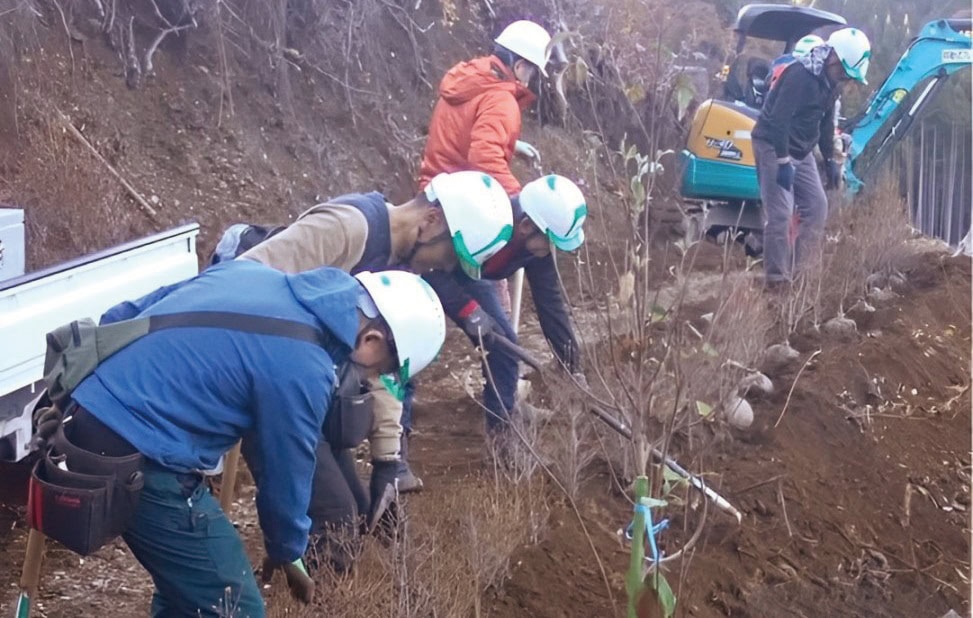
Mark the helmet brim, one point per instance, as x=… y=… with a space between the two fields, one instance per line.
x=571 y=243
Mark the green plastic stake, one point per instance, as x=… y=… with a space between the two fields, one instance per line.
x=23 y=606
x=633 y=580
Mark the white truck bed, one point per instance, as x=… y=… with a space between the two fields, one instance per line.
x=32 y=305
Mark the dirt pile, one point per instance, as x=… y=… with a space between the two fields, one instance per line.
x=856 y=504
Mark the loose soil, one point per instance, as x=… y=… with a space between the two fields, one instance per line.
x=829 y=528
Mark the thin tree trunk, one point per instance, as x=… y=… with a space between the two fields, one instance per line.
x=9 y=131
x=920 y=189
x=951 y=187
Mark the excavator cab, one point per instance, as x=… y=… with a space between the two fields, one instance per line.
x=719 y=170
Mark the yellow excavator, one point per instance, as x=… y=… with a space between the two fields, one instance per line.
x=719 y=176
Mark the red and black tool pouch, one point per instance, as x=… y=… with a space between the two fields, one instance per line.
x=81 y=499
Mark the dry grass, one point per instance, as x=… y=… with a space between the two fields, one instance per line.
x=444 y=555
x=72 y=205
x=863 y=238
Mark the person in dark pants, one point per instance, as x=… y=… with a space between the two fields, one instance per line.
x=797 y=115
x=455 y=223
x=184 y=396
x=548 y=211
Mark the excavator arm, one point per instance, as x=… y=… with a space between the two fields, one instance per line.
x=942 y=48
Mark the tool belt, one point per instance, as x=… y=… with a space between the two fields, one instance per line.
x=80 y=498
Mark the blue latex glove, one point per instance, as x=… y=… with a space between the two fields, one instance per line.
x=785 y=175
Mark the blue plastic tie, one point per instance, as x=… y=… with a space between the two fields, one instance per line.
x=651 y=530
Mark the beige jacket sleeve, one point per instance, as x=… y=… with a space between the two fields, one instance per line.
x=326 y=235
x=386 y=424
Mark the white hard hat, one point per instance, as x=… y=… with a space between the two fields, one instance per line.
x=415 y=316
x=853 y=49
x=478 y=214
x=529 y=41
x=806 y=44
x=557 y=206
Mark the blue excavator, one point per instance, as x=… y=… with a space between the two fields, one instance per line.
x=719 y=177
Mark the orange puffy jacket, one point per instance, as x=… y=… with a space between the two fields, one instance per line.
x=476 y=122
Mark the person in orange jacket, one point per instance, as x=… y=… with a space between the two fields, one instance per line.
x=476 y=122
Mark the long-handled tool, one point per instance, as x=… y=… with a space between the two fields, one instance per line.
x=625 y=431
x=230 y=466
x=516 y=298
x=31 y=575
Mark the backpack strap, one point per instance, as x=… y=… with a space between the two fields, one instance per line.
x=253 y=324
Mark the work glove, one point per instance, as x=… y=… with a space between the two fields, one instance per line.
x=527 y=151
x=478 y=323
x=785 y=175
x=832 y=173
x=299 y=582
x=46 y=421
x=383 y=515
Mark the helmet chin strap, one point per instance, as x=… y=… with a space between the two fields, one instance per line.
x=418 y=244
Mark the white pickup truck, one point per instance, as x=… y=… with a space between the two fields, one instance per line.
x=31 y=305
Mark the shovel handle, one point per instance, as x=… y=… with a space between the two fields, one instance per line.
x=625 y=431
x=512 y=348
x=31 y=575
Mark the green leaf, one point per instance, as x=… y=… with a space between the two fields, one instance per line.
x=580 y=72
x=658 y=314
x=653 y=503
x=635 y=93
x=638 y=194
x=704 y=410
x=671 y=475
x=709 y=350
x=657 y=583
x=684 y=93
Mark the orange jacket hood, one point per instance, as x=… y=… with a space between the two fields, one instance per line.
x=469 y=79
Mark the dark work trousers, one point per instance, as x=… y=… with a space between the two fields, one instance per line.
x=338 y=502
x=784 y=256
x=181 y=536
x=194 y=554
x=499 y=395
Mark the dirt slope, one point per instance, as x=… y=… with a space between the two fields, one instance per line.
x=844 y=539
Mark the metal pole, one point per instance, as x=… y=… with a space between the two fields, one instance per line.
x=626 y=432
x=516 y=297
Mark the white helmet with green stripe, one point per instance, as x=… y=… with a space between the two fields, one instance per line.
x=806 y=44
x=854 y=50
x=478 y=214
x=557 y=207
x=414 y=316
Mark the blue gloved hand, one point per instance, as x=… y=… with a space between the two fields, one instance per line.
x=832 y=173
x=785 y=175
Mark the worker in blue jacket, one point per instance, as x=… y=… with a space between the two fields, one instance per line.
x=549 y=211
x=184 y=396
